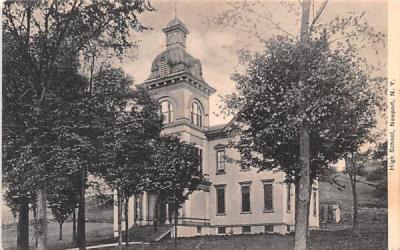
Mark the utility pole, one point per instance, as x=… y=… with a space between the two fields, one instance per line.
x=304 y=137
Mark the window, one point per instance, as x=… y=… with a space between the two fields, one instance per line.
x=245 y=198
x=164 y=69
x=221 y=230
x=288 y=198
x=269 y=228
x=268 y=204
x=220 y=161
x=246 y=229
x=220 y=199
x=200 y=153
x=196 y=70
x=198 y=229
x=314 y=202
x=196 y=114
x=167 y=111
x=288 y=229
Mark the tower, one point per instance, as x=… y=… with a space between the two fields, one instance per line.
x=176 y=81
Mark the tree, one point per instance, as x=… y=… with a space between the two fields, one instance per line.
x=267 y=109
x=130 y=123
x=43 y=32
x=380 y=154
x=17 y=154
x=355 y=163
x=318 y=50
x=18 y=198
x=173 y=173
x=62 y=199
x=62 y=202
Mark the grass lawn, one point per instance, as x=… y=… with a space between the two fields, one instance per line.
x=319 y=240
x=95 y=231
x=373 y=223
x=99 y=225
x=373 y=235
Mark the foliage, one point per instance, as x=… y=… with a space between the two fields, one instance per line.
x=259 y=19
x=45 y=41
x=62 y=202
x=174 y=171
x=17 y=154
x=358 y=161
x=41 y=28
x=380 y=153
x=130 y=122
x=380 y=173
x=339 y=97
x=55 y=114
x=381 y=189
x=377 y=174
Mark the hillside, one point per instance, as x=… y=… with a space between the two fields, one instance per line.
x=330 y=194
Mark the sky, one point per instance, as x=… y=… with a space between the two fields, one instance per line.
x=217 y=46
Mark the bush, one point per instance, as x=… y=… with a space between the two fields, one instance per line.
x=381 y=189
x=376 y=175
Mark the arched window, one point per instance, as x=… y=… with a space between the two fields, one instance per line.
x=196 y=114
x=167 y=111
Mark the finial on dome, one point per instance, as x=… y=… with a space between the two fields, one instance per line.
x=175 y=9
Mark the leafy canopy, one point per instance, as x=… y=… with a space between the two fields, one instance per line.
x=339 y=97
x=130 y=123
x=174 y=171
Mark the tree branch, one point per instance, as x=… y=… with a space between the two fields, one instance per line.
x=244 y=30
x=319 y=13
x=275 y=24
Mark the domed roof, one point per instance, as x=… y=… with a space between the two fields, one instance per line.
x=177 y=60
x=176 y=23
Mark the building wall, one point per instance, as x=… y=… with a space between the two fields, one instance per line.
x=281 y=217
x=183 y=95
x=232 y=178
x=199 y=213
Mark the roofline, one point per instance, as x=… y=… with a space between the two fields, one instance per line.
x=176 y=26
x=177 y=77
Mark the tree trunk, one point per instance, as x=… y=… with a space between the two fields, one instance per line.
x=42 y=220
x=60 y=229
x=119 y=220
x=176 y=228
x=296 y=200
x=74 y=227
x=35 y=218
x=300 y=242
x=156 y=213
x=353 y=181
x=81 y=230
x=355 y=205
x=23 y=227
x=126 y=222
x=308 y=211
x=303 y=196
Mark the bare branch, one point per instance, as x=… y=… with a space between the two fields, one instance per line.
x=319 y=13
x=342 y=37
x=270 y=20
x=253 y=34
